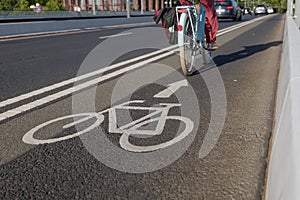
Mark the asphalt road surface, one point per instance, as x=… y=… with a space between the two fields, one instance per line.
x=209 y=139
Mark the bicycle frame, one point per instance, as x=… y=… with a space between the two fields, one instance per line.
x=198 y=31
x=191 y=37
x=113 y=128
x=130 y=127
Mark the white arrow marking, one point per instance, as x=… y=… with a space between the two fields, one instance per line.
x=173 y=87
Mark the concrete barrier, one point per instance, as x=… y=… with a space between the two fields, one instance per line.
x=283 y=181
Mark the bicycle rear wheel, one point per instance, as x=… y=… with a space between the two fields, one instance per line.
x=189 y=48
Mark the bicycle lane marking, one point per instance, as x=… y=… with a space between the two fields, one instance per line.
x=143 y=83
x=131 y=128
x=29 y=139
x=172 y=88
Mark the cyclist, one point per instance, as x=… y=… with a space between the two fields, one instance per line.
x=294 y=8
x=211 y=22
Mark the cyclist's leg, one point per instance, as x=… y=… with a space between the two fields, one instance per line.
x=211 y=24
x=200 y=24
x=211 y=27
x=201 y=20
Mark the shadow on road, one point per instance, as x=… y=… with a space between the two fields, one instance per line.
x=246 y=52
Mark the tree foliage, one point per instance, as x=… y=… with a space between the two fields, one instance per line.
x=25 y=4
x=41 y=2
x=57 y=4
x=7 y=4
x=54 y=5
x=279 y=5
x=22 y=5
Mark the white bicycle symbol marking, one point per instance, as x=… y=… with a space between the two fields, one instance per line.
x=126 y=130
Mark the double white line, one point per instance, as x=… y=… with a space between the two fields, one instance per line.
x=50 y=98
x=240 y=25
x=151 y=57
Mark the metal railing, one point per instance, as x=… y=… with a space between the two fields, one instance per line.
x=45 y=14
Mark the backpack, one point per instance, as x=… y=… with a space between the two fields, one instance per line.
x=169 y=23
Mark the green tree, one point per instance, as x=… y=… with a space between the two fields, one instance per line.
x=22 y=5
x=41 y=2
x=54 y=5
x=7 y=4
x=278 y=5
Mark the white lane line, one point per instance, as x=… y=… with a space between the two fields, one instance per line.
x=116 y=35
x=27 y=107
x=91 y=28
x=240 y=25
x=79 y=78
x=130 y=25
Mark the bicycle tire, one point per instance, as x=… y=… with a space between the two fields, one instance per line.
x=28 y=138
x=125 y=142
x=188 y=50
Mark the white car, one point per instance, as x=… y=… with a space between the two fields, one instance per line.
x=260 y=9
x=270 y=10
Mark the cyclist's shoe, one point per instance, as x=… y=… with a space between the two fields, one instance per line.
x=211 y=47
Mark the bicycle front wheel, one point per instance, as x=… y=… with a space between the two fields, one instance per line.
x=189 y=48
x=29 y=136
x=125 y=141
